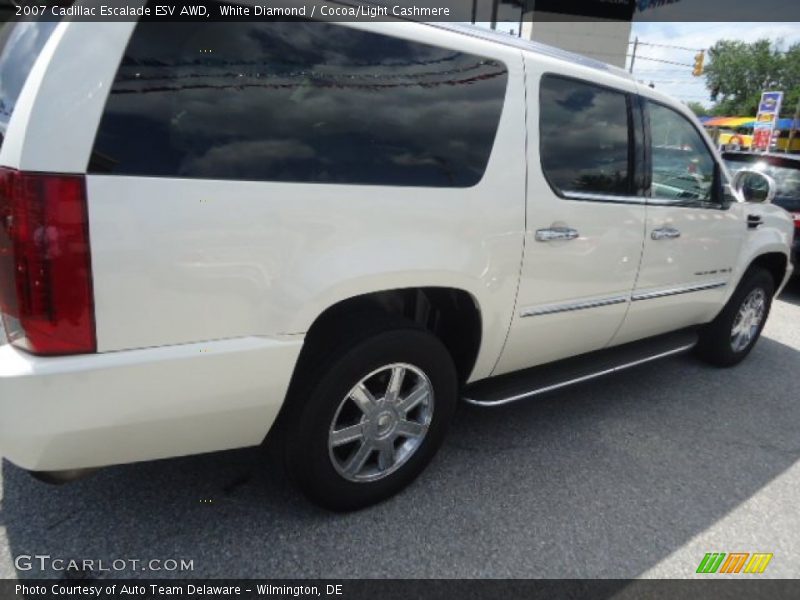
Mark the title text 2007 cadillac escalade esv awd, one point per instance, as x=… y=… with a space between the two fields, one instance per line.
x=212 y=229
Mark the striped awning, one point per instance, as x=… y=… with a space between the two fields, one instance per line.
x=742 y=122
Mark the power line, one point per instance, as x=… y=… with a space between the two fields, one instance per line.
x=669 y=46
x=645 y=68
x=659 y=60
x=681 y=81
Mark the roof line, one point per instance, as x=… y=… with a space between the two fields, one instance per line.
x=512 y=42
x=531 y=46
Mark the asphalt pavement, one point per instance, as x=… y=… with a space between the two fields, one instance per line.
x=636 y=474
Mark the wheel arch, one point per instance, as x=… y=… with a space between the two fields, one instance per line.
x=775 y=263
x=451 y=314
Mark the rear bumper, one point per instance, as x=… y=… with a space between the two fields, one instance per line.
x=120 y=407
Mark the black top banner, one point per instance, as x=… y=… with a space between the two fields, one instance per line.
x=465 y=11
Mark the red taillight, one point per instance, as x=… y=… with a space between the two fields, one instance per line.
x=796 y=220
x=46 y=295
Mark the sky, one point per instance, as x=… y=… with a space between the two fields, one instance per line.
x=678 y=80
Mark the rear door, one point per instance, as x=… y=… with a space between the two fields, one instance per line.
x=585 y=215
x=694 y=230
x=248 y=175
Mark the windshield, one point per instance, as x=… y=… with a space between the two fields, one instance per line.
x=20 y=44
x=787 y=178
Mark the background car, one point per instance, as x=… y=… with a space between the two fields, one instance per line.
x=785 y=170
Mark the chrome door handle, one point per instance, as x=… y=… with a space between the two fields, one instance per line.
x=665 y=233
x=754 y=221
x=555 y=234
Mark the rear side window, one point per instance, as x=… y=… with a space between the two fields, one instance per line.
x=20 y=45
x=584 y=137
x=298 y=102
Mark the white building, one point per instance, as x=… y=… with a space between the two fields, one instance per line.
x=602 y=39
x=599 y=29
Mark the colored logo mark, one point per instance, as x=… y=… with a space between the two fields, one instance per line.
x=735 y=562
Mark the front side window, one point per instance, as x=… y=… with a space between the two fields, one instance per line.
x=584 y=137
x=298 y=101
x=683 y=167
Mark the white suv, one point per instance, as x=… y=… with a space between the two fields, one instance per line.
x=210 y=230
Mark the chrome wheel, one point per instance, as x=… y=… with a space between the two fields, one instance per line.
x=381 y=423
x=748 y=320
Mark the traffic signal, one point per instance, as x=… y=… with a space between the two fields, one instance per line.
x=698 y=63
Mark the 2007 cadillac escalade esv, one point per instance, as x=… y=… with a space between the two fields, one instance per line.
x=210 y=228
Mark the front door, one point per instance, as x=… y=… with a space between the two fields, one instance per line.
x=585 y=218
x=694 y=230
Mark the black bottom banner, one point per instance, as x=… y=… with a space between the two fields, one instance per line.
x=435 y=589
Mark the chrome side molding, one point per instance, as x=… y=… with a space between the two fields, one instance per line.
x=684 y=289
x=592 y=197
x=549 y=309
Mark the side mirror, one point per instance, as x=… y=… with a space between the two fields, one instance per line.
x=754 y=186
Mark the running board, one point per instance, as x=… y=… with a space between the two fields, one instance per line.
x=504 y=389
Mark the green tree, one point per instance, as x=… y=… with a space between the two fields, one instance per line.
x=698 y=109
x=738 y=72
x=791 y=71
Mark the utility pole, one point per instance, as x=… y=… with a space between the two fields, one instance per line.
x=495 y=7
x=633 y=55
x=793 y=130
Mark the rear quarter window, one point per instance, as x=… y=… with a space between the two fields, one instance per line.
x=20 y=45
x=298 y=101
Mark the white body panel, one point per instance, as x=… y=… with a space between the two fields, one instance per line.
x=709 y=252
x=219 y=259
x=601 y=263
x=204 y=289
x=95 y=410
x=76 y=66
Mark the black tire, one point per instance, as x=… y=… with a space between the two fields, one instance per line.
x=715 y=345
x=325 y=382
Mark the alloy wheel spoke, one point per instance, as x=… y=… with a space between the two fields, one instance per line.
x=737 y=327
x=417 y=395
x=363 y=398
x=742 y=339
x=410 y=429
x=395 y=383
x=385 y=456
x=347 y=435
x=356 y=462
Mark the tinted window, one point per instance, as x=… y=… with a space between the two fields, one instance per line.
x=683 y=168
x=584 y=137
x=20 y=45
x=300 y=102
